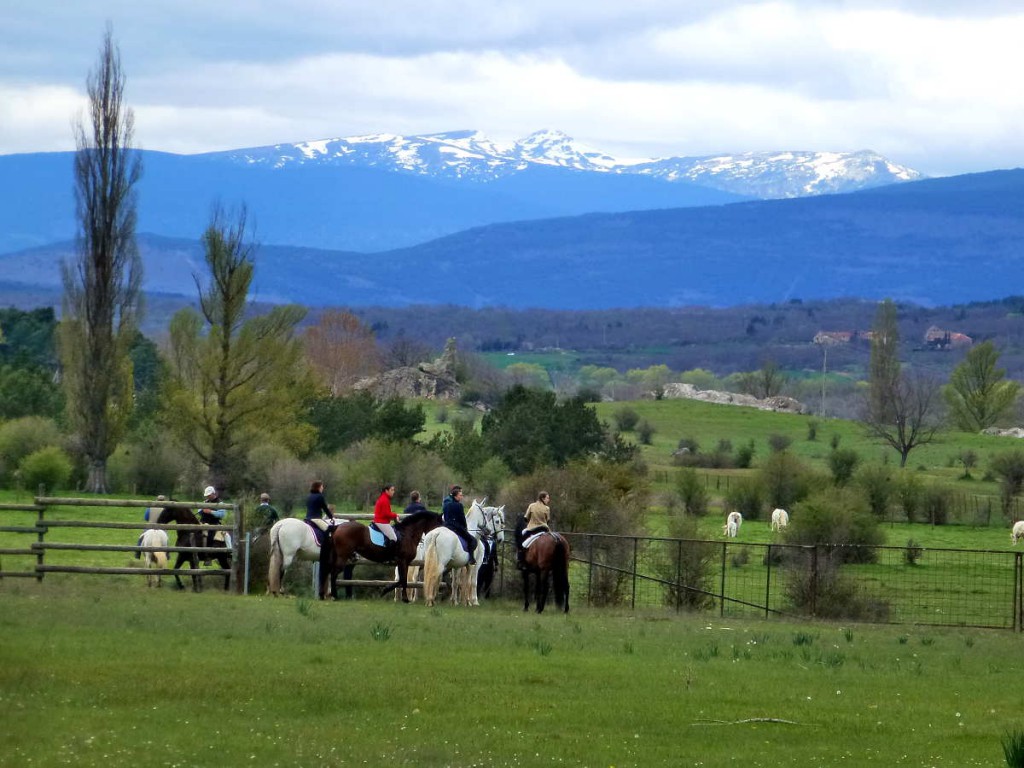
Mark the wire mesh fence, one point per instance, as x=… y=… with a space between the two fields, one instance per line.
x=895 y=585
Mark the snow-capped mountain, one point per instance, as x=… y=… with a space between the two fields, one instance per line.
x=472 y=156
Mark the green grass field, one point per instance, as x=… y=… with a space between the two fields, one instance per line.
x=108 y=673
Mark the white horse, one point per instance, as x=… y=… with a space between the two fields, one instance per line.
x=154 y=537
x=732 y=524
x=1017 y=532
x=443 y=551
x=780 y=519
x=289 y=538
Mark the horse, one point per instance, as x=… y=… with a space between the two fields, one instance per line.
x=1017 y=532
x=194 y=538
x=154 y=537
x=780 y=519
x=495 y=517
x=547 y=557
x=443 y=551
x=732 y=525
x=351 y=538
x=290 y=538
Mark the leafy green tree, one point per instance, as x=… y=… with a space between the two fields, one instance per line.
x=462 y=448
x=529 y=429
x=978 y=393
x=394 y=420
x=101 y=287
x=235 y=381
x=28 y=338
x=841 y=463
x=765 y=382
x=341 y=421
x=1009 y=468
x=29 y=391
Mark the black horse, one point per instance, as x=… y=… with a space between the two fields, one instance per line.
x=194 y=538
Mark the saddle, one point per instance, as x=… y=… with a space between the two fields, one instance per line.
x=379 y=539
x=534 y=536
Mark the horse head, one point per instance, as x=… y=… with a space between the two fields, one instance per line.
x=495 y=517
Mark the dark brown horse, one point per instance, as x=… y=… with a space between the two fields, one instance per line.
x=352 y=538
x=547 y=559
x=197 y=538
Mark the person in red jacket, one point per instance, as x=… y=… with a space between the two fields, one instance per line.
x=382 y=514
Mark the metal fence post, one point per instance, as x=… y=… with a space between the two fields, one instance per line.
x=768 y=580
x=721 y=588
x=590 y=572
x=636 y=545
x=679 y=575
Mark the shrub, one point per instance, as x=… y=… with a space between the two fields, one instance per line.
x=779 y=443
x=688 y=444
x=834 y=442
x=626 y=419
x=48 y=467
x=20 y=437
x=645 y=431
x=816 y=586
x=937 y=503
x=875 y=483
x=912 y=552
x=785 y=480
x=745 y=455
x=687 y=567
x=812 y=430
x=1009 y=468
x=909 y=490
x=692 y=493
x=746 y=497
x=838 y=518
x=841 y=463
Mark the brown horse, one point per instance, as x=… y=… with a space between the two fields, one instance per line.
x=196 y=538
x=352 y=538
x=547 y=558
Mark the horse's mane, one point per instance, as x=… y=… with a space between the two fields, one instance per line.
x=177 y=515
x=417 y=518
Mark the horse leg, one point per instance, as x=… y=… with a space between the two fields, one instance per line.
x=225 y=562
x=526 y=590
x=177 y=565
x=542 y=590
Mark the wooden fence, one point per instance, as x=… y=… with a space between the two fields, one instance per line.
x=46 y=523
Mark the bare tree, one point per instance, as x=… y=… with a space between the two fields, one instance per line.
x=101 y=287
x=341 y=350
x=909 y=412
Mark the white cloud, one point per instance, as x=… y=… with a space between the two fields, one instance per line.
x=930 y=84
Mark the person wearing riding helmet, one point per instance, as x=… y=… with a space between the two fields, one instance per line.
x=211 y=517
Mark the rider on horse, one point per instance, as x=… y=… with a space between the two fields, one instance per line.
x=536 y=520
x=211 y=517
x=454 y=515
x=317 y=509
x=383 y=516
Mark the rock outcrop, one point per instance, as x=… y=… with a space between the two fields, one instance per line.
x=433 y=381
x=777 y=403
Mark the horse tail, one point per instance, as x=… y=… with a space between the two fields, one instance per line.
x=276 y=561
x=560 y=573
x=431 y=570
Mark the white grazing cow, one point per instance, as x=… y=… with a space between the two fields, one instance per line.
x=780 y=519
x=732 y=524
x=1017 y=532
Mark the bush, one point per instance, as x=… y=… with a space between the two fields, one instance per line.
x=779 y=443
x=745 y=455
x=21 y=437
x=645 y=431
x=686 y=567
x=912 y=552
x=841 y=463
x=746 y=497
x=1009 y=468
x=838 y=518
x=812 y=430
x=785 y=480
x=909 y=490
x=876 y=484
x=48 y=467
x=692 y=493
x=937 y=503
x=626 y=419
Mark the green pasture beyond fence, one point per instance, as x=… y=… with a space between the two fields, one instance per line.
x=894 y=585
x=890 y=585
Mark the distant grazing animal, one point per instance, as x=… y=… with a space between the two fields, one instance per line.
x=780 y=519
x=154 y=537
x=730 y=529
x=1017 y=532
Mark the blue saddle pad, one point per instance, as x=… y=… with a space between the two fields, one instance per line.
x=376 y=537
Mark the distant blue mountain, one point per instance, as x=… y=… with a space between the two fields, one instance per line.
x=937 y=241
x=323 y=206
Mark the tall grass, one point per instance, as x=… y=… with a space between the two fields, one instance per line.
x=105 y=672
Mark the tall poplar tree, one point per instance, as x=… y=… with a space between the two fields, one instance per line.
x=235 y=380
x=102 y=284
x=884 y=365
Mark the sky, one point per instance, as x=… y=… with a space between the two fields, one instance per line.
x=931 y=84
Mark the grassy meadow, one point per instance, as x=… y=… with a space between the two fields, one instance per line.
x=103 y=672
